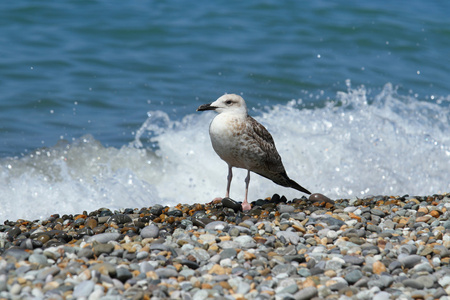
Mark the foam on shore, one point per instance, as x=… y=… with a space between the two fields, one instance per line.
x=353 y=147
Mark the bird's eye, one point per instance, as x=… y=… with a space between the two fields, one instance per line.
x=228 y=102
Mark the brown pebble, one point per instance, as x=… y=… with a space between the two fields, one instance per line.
x=128 y=228
x=99 y=229
x=152 y=275
x=249 y=255
x=331 y=282
x=299 y=228
x=353 y=216
x=417 y=295
x=244 y=225
x=91 y=223
x=317 y=197
x=414 y=200
x=43 y=238
x=21 y=280
x=422 y=209
x=402 y=223
x=378 y=267
x=424 y=219
x=426 y=251
x=225 y=238
x=265 y=272
x=347 y=292
x=309 y=282
x=178 y=266
x=182 y=242
x=80 y=217
x=191 y=258
x=224 y=284
x=58 y=226
x=115 y=226
x=260 y=240
x=445 y=260
x=283 y=227
x=218 y=270
x=434 y=213
x=381 y=244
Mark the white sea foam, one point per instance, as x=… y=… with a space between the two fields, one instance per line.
x=352 y=147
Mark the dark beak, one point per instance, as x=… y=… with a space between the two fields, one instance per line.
x=206 y=107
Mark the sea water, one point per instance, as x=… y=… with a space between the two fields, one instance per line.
x=98 y=100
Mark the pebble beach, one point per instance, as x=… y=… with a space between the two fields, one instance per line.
x=379 y=247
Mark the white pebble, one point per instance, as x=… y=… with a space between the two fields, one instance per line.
x=15 y=289
x=83 y=289
x=382 y=296
x=97 y=293
x=444 y=281
x=225 y=263
x=200 y=295
x=351 y=223
x=350 y=209
x=436 y=261
x=357 y=211
x=332 y=234
x=37 y=293
x=141 y=255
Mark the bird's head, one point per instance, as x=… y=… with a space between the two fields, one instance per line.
x=227 y=103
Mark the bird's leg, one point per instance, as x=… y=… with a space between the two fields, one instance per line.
x=229 y=177
x=245 y=205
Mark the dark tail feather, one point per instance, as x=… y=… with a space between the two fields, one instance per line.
x=283 y=180
x=298 y=187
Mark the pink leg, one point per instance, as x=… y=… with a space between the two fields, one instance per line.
x=230 y=176
x=245 y=205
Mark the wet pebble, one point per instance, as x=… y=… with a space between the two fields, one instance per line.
x=119 y=219
x=230 y=203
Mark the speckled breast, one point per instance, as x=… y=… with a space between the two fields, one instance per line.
x=231 y=142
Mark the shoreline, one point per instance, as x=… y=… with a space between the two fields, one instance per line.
x=304 y=248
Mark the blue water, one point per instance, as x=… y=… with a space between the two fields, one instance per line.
x=98 y=99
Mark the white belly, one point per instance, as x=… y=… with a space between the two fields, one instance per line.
x=230 y=141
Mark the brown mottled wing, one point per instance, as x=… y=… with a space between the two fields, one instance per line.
x=271 y=164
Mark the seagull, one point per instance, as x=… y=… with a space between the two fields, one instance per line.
x=244 y=143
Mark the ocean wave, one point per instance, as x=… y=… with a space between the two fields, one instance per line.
x=354 y=146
